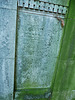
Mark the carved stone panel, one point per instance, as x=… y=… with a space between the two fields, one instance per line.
x=37 y=50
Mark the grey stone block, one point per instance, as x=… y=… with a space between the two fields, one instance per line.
x=7 y=33
x=6 y=79
x=7 y=50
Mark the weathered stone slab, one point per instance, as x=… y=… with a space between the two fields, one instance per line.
x=6 y=79
x=37 y=49
x=7 y=33
x=7 y=47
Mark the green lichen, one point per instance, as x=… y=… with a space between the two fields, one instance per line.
x=33 y=94
x=63 y=85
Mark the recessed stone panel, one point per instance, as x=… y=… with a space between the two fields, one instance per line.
x=37 y=50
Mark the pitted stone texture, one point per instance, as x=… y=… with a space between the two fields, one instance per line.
x=37 y=48
x=7 y=33
x=6 y=79
x=11 y=4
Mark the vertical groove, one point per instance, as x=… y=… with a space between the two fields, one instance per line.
x=15 y=54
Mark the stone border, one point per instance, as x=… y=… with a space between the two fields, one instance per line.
x=43 y=6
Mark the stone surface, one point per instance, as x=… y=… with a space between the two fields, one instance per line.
x=63 y=85
x=33 y=94
x=6 y=79
x=7 y=47
x=7 y=33
x=10 y=4
x=43 y=6
x=37 y=49
x=67 y=95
